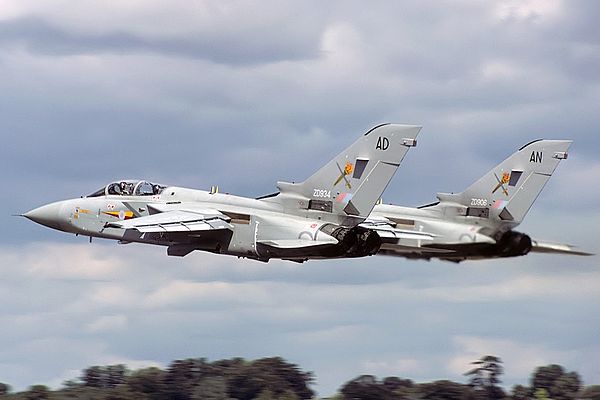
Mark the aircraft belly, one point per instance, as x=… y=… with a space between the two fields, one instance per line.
x=409 y=251
x=281 y=250
x=278 y=236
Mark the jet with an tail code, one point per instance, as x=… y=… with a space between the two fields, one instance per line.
x=318 y=218
x=479 y=222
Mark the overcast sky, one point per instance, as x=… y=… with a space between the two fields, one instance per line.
x=242 y=94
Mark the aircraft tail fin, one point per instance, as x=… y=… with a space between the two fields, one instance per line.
x=347 y=187
x=508 y=191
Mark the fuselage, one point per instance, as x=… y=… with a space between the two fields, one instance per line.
x=316 y=218
x=255 y=223
x=262 y=229
x=453 y=237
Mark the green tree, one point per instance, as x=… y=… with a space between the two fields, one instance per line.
x=281 y=377
x=520 y=392
x=366 y=387
x=183 y=376
x=567 y=386
x=288 y=395
x=120 y=392
x=265 y=395
x=147 y=381
x=544 y=377
x=244 y=386
x=446 y=390
x=108 y=376
x=4 y=389
x=211 y=388
x=71 y=383
x=269 y=395
x=403 y=388
x=93 y=377
x=485 y=376
x=394 y=383
x=247 y=380
x=114 y=375
x=559 y=384
x=37 y=392
x=591 y=393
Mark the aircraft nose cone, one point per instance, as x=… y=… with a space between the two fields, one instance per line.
x=48 y=215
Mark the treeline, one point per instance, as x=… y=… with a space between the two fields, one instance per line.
x=264 y=379
x=276 y=379
x=550 y=382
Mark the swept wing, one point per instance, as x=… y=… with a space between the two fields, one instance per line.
x=192 y=220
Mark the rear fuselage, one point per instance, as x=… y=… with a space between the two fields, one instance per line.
x=454 y=237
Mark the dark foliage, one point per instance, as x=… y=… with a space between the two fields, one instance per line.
x=446 y=390
x=520 y=392
x=559 y=384
x=367 y=387
x=276 y=379
x=591 y=393
x=37 y=392
x=484 y=378
x=104 y=377
x=4 y=389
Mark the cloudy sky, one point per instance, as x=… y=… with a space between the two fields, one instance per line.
x=242 y=94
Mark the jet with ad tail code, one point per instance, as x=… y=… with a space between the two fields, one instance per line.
x=316 y=219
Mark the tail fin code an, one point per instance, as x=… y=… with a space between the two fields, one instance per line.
x=510 y=189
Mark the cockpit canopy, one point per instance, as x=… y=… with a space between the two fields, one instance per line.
x=129 y=188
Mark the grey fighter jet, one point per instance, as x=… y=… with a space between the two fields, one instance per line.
x=318 y=218
x=479 y=222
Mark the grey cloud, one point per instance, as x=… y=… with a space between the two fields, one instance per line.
x=239 y=48
x=171 y=108
x=580 y=24
x=217 y=307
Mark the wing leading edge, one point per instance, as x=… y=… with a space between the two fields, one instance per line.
x=177 y=221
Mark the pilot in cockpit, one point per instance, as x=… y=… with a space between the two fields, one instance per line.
x=129 y=188
x=126 y=188
x=114 y=189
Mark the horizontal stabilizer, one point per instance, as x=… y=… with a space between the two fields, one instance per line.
x=557 y=248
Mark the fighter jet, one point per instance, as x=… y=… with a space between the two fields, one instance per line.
x=318 y=218
x=479 y=222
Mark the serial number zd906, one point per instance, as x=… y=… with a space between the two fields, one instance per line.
x=479 y=202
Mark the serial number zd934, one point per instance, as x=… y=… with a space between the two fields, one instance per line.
x=322 y=193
